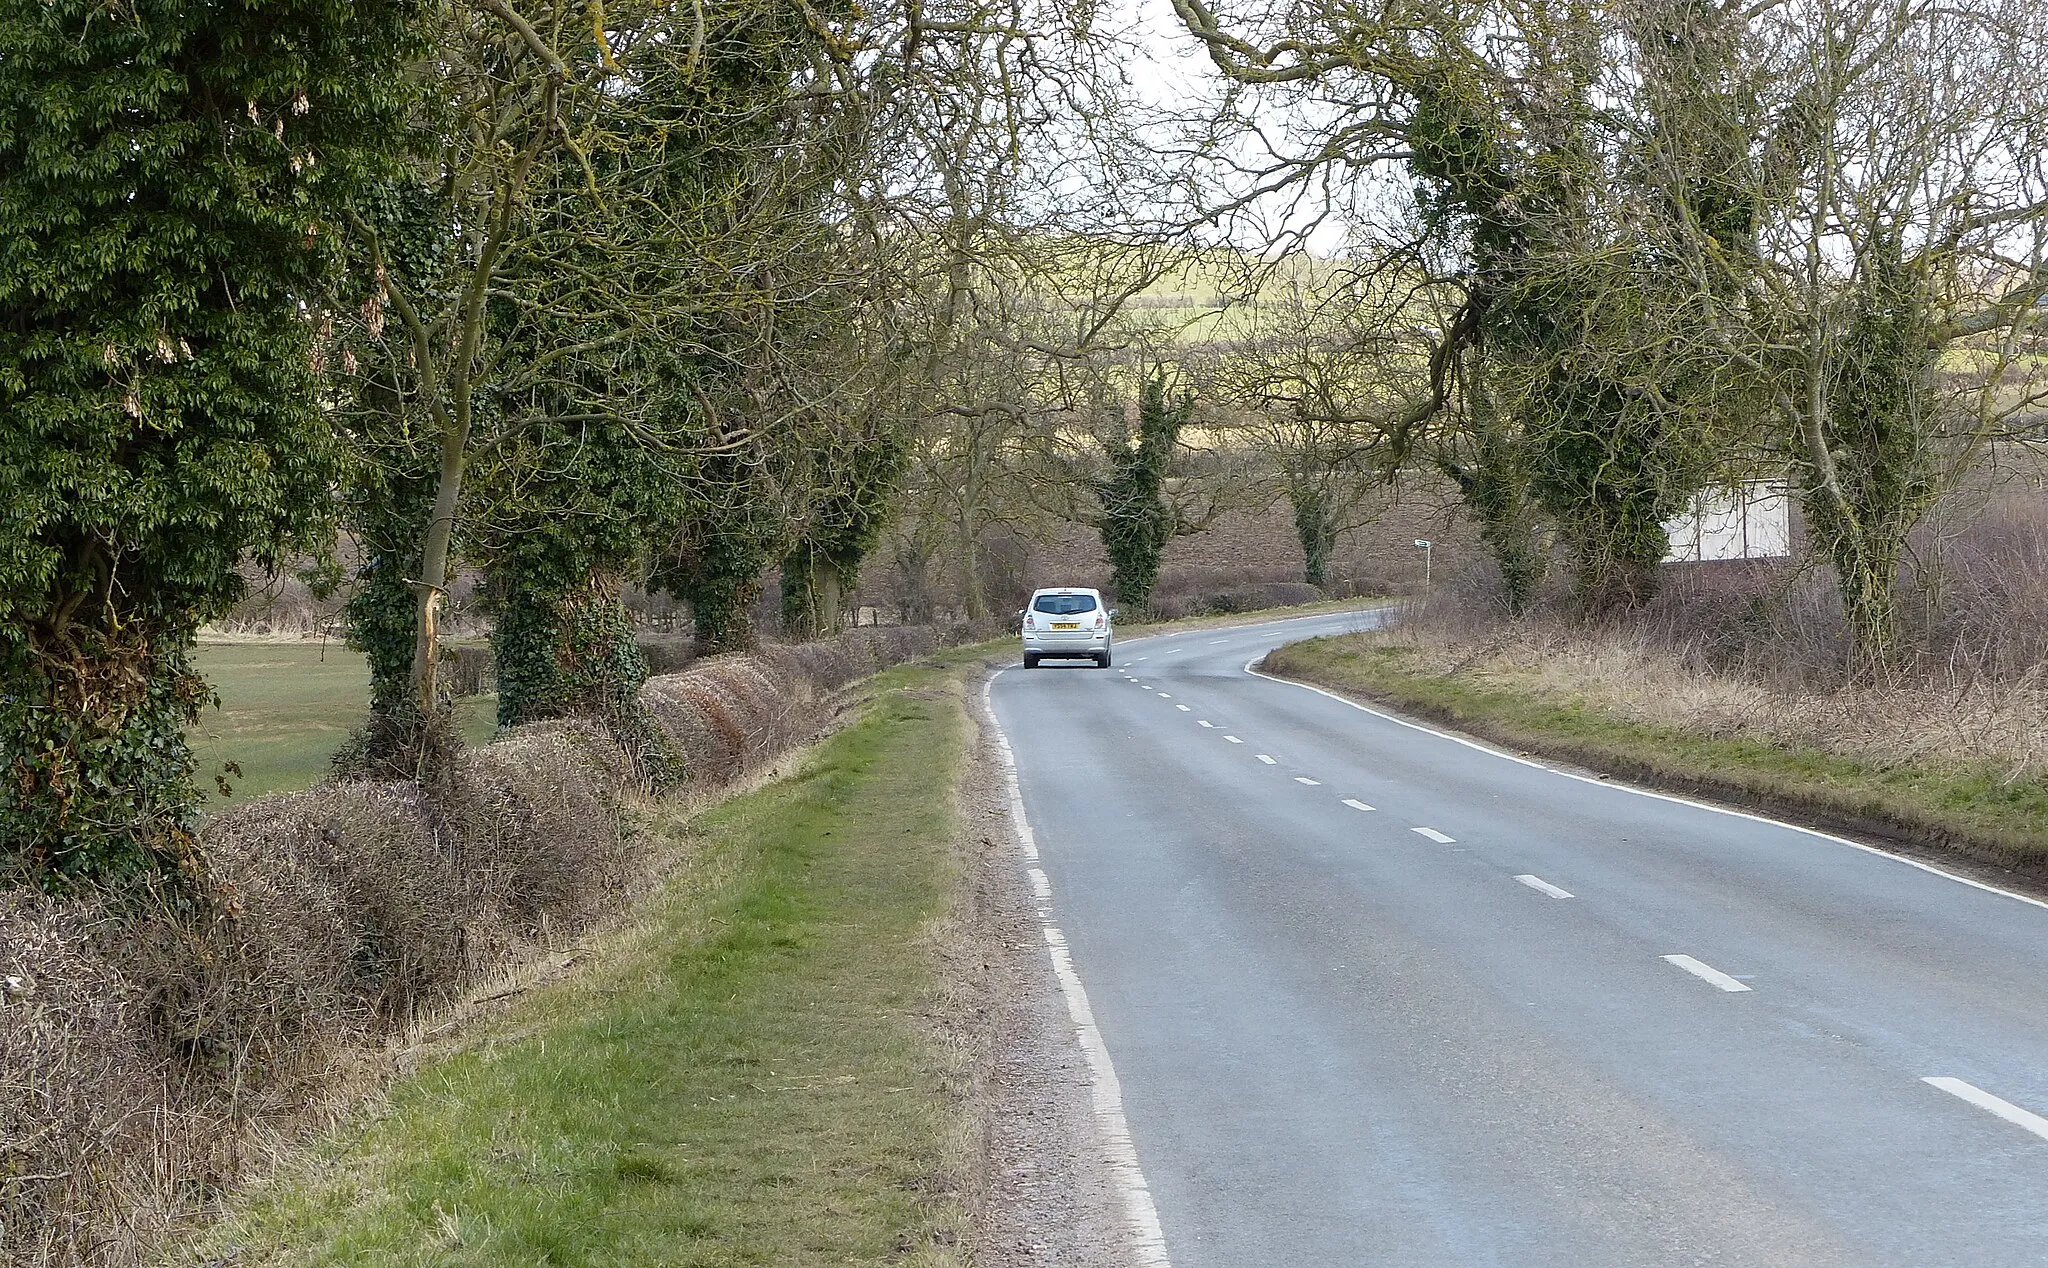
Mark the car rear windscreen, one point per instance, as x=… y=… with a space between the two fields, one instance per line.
x=1063 y=604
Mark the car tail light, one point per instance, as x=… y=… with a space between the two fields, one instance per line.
x=1098 y=620
x=1030 y=621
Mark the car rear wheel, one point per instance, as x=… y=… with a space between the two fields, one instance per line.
x=1102 y=660
x=1030 y=661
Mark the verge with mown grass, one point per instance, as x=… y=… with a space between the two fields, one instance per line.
x=1971 y=808
x=744 y=1074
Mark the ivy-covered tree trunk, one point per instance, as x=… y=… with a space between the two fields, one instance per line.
x=565 y=654
x=1867 y=451
x=1494 y=483
x=845 y=523
x=573 y=654
x=1497 y=497
x=813 y=588
x=385 y=496
x=1136 y=521
x=1610 y=477
x=1315 y=526
x=171 y=185
x=719 y=562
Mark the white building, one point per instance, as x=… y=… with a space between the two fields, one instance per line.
x=1753 y=520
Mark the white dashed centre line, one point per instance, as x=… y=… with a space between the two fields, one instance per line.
x=1312 y=783
x=1233 y=739
x=1205 y=722
x=1434 y=835
x=1997 y=1105
x=1267 y=760
x=1183 y=708
x=1218 y=642
x=1705 y=972
x=1542 y=886
x=1356 y=804
x=1164 y=696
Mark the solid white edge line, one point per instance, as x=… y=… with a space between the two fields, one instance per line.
x=1633 y=790
x=1542 y=886
x=1312 y=783
x=1997 y=1105
x=1356 y=804
x=1149 y=1241
x=1434 y=835
x=1267 y=759
x=1706 y=973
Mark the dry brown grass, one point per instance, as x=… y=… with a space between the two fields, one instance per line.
x=154 y=1044
x=1637 y=675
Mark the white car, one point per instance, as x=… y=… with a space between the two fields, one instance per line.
x=1067 y=623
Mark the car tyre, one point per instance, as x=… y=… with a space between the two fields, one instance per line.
x=1030 y=661
x=1102 y=660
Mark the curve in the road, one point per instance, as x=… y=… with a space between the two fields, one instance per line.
x=1337 y=1050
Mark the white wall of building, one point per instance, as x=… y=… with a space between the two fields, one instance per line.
x=1751 y=521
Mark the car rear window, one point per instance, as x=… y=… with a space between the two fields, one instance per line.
x=1063 y=604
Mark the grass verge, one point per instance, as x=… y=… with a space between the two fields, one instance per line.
x=743 y=1075
x=1971 y=809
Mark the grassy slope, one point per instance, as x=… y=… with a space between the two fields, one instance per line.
x=284 y=710
x=741 y=1078
x=1972 y=811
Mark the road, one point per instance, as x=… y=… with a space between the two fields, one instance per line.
x=1378 y=996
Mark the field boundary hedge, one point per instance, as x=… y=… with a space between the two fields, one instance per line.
x=155 y=1044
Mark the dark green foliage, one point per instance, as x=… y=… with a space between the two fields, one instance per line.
x=845 y=522
x=559 y=654
x=566 y=510
x=734 y=528
x=754 y=157
x=171 y=181
x=1137 y=521
x=1589 y=415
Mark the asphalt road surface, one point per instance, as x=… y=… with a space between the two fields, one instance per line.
x=1377 y=996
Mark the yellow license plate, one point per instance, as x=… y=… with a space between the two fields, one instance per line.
x=1066 y=625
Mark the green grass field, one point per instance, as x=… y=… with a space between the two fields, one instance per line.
x=743 y=1076
x=284 y=710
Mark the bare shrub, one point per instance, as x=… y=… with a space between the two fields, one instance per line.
x=80 y=1085
x=729 y=713
x=539 y=812
x=1248 y=597
x=1980 y=593
x=667 y=654
x=150 y=1041
x=469 y=670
